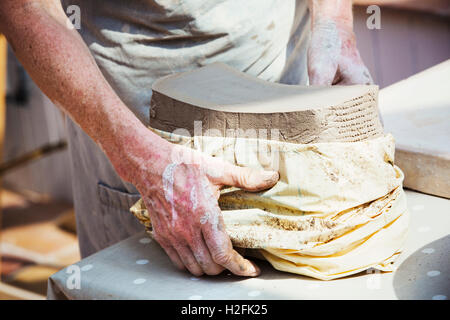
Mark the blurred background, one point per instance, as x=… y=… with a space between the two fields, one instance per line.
x=38 y=233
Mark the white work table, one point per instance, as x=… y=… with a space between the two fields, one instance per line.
x=137 y=268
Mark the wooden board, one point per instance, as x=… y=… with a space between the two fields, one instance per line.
x=42 y=243
x=8 y=292
x=417 y=112
x=2 y=106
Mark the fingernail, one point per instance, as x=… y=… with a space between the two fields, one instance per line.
x=253 y=268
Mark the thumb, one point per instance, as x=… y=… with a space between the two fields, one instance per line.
x=249 y=179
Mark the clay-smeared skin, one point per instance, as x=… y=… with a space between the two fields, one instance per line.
x=333 y=57
x=194 y=237
x=60 y=63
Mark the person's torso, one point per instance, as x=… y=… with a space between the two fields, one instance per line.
x=137 y=41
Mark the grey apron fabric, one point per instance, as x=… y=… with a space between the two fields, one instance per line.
x=136 y=42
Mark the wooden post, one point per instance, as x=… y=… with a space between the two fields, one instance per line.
x=3 y=55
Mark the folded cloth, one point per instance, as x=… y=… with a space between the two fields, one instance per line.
x=338 y=208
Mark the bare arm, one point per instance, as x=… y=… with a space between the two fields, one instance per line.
x=61 y=65
x=333 y=57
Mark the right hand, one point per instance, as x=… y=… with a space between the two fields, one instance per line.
x=333 y=58
x=186 y=219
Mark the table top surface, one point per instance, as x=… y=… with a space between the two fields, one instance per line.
x=137 y=268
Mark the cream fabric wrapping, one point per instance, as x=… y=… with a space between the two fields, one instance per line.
x=338 y=207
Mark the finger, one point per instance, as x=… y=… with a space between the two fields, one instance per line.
x=203 y=257
x=323 y=52
x=360 y=76
x=221 y=249
x=189 y=260
x=321 y=73
x=226 y=256
x=249 y=179
x=173 y=255
x=157 y=234
x=201 y=253
x=353 y=71
x=322 y=66
x=216 y=238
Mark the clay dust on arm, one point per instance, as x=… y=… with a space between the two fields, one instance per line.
x=60 y=63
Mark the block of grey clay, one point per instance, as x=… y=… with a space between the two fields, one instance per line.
x=223 y=98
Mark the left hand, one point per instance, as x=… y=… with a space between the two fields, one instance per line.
x=333 y=57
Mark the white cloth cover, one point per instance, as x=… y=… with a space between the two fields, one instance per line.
x=338 y=208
